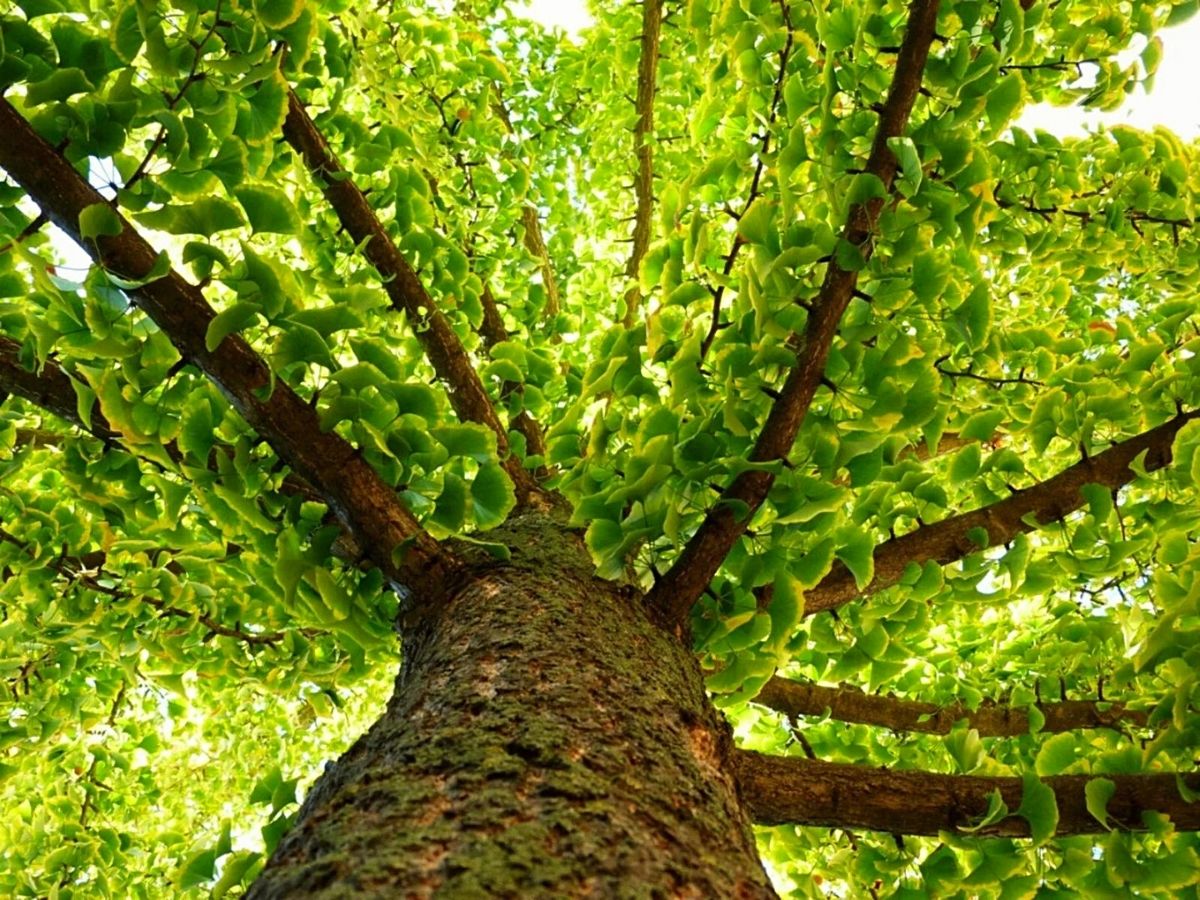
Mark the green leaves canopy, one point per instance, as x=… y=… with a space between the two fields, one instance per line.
x=1029 y=300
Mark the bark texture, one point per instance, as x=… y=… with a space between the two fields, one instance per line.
x=545 y=739
x=991 y=719
x=796 y=791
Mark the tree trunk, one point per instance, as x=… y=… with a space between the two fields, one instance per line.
x=545 y=739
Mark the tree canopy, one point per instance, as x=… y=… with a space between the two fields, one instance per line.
x=883 y=402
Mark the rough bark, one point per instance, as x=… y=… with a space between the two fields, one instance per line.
x=676 y=592
x=991 y=719
x=796 y=791
x=1048 y=501
x=545 y=739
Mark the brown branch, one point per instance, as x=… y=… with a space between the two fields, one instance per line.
x=535 y=243
x=643 y=143
x=88 y=570
x=364 y=503
x=760 y=165
x=493 y=332
x=51 y=389
x=1134 y=216
x=1026 y=510
x=991 y=719
x=440 y=342
x=673 y=596
x=990 y=380
x=797 y=791
x=533 y=239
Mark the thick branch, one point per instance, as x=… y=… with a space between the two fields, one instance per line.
x=950 y=540
x=364 y=503
x=49 y=388
x=441 y=344
x=991 y=719
x=672 y=597
x=643 y=142
x=797 y=791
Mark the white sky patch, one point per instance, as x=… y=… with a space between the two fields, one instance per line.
x=1171 y=102
x=569 y=15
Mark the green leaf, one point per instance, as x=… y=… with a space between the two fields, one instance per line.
x=755 y=223
x=786 y=609
x=864 y=188
x=858 y=553
x=237 y=317
x=997 y=809
x=815 y=564
x=911 y=172
x=278 y=13
x=1039 y=807
x=1004 y=99
x=99 y=220
x=160 y=269
x=966 y=749
x=491 y=495
x=268 y=209
x=299 y=343
x=467 y=439
x=966 y=464
x=265 y=110
x=1098 y=791
x=1056 y=754
x=327 y=320
x=206 y=217
x=450 y=511
x=982 y=425
x=59 y=85
x=975 y=315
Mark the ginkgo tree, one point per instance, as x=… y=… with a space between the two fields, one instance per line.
x=724 y=445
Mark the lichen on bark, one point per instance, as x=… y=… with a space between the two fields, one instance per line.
x=545 y=739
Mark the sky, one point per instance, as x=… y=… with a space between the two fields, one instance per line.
x=1172 y=102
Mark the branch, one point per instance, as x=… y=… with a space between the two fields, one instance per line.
x=673 y=596
x=643 y=185
x=88 y=570
x=439 y=340
x=535 y=243
x=1027 y=510
x=364 y=503
x=991 y=719
x=51 y=389
x=493 y=332
x=796 y=791
x=991 y=381
x=738 y=241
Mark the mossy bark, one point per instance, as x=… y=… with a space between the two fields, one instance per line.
x=545 y=739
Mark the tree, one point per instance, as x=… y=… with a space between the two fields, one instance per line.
x=737 y=417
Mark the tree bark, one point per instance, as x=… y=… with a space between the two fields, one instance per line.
x=991 y=719
x=545 y=739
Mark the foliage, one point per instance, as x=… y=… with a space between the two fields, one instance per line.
x=1028 y=303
